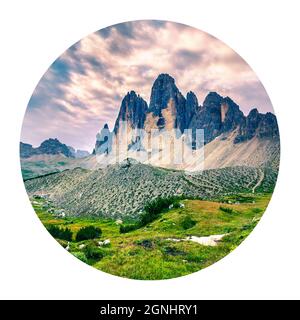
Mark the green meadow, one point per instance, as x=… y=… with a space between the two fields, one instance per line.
x=161 y=249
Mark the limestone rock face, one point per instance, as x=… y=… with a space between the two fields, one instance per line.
x=231 y=115
x=133 y=111
x=258 y=125
x=103 y=141
x=169 y=109
x=208 y=117
x=167 y=104
x=192 y=107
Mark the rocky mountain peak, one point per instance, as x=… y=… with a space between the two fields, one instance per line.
x=167 y=103
x=231 y=115
x=191 y=98
x=218 y=115
x=213 y=99
x=253 y=113
x=163 y=89
x=26 y=150
x=169 y=109
x=259 y=125
x=133 y=110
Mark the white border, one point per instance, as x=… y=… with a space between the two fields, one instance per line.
x=33 y=34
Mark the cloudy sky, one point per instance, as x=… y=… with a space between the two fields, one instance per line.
x=84 y=87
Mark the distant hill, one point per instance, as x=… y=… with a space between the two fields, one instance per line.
x=78 y=154
x=51 y=147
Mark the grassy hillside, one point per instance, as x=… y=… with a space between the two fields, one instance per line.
x=154 y=250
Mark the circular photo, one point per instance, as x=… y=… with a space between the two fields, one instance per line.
x=149 y=150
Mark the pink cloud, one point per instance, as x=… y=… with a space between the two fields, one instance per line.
x=83 y=89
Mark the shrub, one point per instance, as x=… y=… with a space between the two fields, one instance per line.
x=157 y=206
x=124 y=228
x=152 y=211
x=89 y=232
x=226 y=209
x=93 y=252
x=176 y=205
x=59 y=233
x=146 y=218
x=187 y=222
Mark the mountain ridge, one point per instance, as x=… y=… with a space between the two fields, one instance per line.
x=51 y=146
x=169 y=109
x=230 y=137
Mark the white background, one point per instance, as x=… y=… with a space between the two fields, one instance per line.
x=34 y=34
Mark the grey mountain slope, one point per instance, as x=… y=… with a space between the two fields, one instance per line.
x=123 y=189
x=257 y=152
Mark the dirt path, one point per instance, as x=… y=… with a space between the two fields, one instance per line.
x=260 y=180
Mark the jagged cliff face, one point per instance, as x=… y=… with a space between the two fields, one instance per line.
x=167 y=104
x=103 y=141
x=263 y=126
x=169 y=109
x=218 y=115
x=133 y=111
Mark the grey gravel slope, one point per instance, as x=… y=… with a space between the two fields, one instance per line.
x=123 y=189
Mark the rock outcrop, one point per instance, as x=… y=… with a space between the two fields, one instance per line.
x=263 y=126
x=133 y=111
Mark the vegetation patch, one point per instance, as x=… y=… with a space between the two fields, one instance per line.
x=173 y=251
x=89 y=232
x=152 y=210
x=60 y=233
x=146 y=243
x=187 y=222
x=226 y=209
x=81 y=256
x=92 y=252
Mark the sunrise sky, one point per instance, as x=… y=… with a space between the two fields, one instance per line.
x=84 y=87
